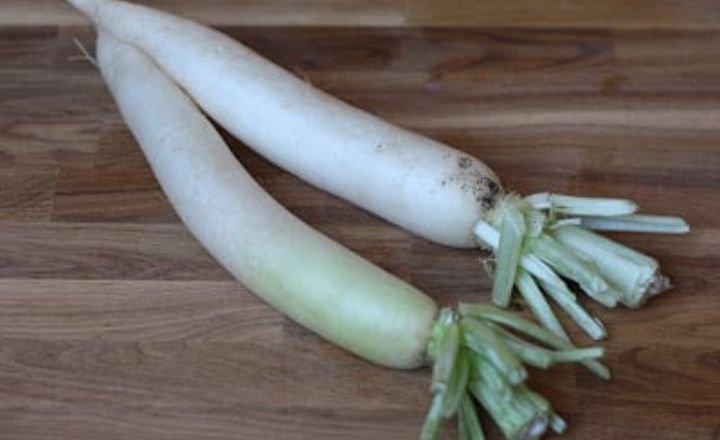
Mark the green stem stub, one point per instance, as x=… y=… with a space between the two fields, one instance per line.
x=541 y=239
x=478 y=356
x=512 y=232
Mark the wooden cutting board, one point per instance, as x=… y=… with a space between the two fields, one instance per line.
x=115 y=324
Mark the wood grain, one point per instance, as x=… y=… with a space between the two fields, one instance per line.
x=644 y=14
x=115 y=324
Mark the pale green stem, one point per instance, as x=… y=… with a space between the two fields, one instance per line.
x=477 y=355
x=557 y=424
x=530 y=354
x=658 y=224
x=541 y=357
x=538 y=401
x=572 y=221
x=634 y=275
x=565 y=262
x=457 y=384
x=578 y=355
x=469 y=423
x=529 y=262
x=478 y=336
x=492 y=314
x=538 y=305
x=508 y=254
x=567 y=301
x=488 y=374
x=534 y=222
x=536 y=267
x=571 y=205
x=444 y=319
x=513 y=417
x=446 y=357
x=487 y=234
x=432 y=420
x=533 y=330
x=608 y=272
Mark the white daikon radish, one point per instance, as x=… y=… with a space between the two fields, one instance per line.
x=432 y=189
x=319 y=283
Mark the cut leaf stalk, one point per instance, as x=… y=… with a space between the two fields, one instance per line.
x=557 y=243
x=489 y=350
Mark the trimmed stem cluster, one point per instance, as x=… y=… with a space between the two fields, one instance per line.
x=479 y=354
x=540 y=240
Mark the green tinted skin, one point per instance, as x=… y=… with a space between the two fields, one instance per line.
x=347 y=300
x=302 y=273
